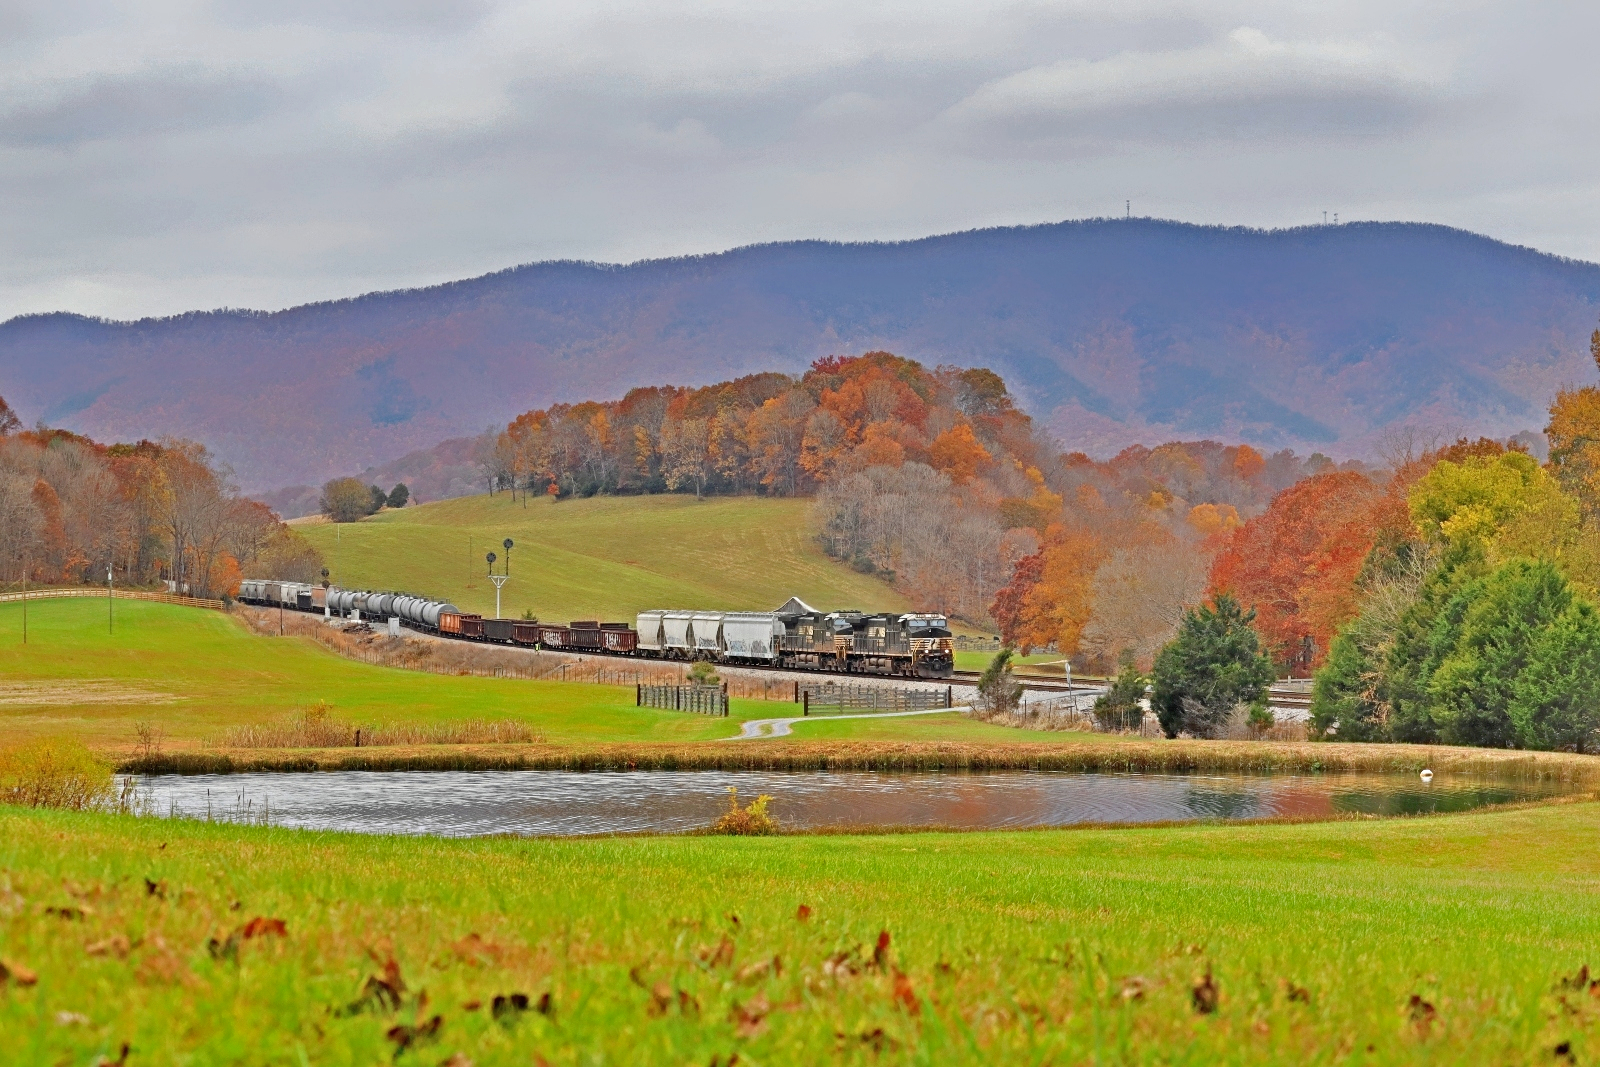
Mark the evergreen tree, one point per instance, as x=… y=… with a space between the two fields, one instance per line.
x=1215 y=664
x=1484 y=641
x=1118 y=708
x=399 y=496
x=1555 y=703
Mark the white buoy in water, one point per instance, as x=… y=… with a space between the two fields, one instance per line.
x=1427 y=775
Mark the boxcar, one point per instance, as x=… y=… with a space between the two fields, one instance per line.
x=500 y=630
x=618 y=637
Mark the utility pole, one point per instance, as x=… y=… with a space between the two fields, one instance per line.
x=25 y=600
x=110 y=620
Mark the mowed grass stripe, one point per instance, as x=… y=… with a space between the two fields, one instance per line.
x=607 y=557
x=1079 y=946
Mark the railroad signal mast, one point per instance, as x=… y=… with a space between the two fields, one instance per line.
x=499 y=579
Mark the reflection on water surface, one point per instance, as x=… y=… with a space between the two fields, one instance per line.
x=464 y=804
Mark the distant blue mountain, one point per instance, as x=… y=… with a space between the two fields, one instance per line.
x=1110 y=331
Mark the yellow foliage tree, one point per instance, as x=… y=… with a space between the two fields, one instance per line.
x=1574 y=433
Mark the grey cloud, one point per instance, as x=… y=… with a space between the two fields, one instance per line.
x=164 y=155
x=135 y=106
x=361 y=15
x=1245 y=87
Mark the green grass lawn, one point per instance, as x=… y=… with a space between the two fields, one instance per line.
x=606 y=557
x=196 y=672
x=1422 y=941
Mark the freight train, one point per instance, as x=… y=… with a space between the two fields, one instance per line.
x=795 y=636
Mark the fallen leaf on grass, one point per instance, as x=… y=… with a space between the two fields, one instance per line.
x=904 y=995
x=116 y=945
x=70 y=912
x=1563 y=1051
x=378 y=992
x=875 y=1039
x=507 y=1008
x=460 y=1059
x=71 y=1018
x=1420 y=1014
x=122 y=1058
x=1205 y=994
x=405 y=1036
x=1133 y=988
x=719 y=956
x=880 y=953
x=1295 y=994
x=803 y=912
x=264 y=927
x=752 y=971
x=842 y=964
x=16 y=972
x=750 y=1018
x=1582 y=981
x=155 y=889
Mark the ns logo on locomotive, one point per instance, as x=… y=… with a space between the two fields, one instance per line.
x=795 y=636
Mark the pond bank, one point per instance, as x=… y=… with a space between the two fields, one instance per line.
x=1106 y=756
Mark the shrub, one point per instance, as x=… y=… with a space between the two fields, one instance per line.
x=1214 y=665
x=55 y=773
x=703 y=673
x=999 y=692
x=1118 y=708
x=749 y=821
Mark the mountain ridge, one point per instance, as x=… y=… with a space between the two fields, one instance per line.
x=1110 y=331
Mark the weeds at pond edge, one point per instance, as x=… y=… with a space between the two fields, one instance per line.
x=749 y=821
x=1130 y=757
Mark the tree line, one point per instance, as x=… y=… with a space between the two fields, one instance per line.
x=72 y=508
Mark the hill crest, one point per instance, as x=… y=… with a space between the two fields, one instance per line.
x=1110 y=331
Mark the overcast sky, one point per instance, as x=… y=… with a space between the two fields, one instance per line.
x=167 y=155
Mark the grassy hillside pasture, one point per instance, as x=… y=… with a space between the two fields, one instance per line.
x=604 y=557
x=1419 y=941
x=196 y=672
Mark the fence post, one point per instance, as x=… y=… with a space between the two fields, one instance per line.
x=806 y=707
x=797 y=692
x=949 y=696
x=638 y=694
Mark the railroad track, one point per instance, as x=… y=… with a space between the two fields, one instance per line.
x=1038 y=685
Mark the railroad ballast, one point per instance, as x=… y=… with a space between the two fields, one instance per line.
x=796 y=635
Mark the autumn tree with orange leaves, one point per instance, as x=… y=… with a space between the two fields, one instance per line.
x=1296 y=563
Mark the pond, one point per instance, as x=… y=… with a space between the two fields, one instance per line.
x=465 y=804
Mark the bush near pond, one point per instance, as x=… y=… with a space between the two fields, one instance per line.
x=55 y=772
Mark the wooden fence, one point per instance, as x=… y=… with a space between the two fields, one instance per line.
x=700 y=699
x=832 y=697
x=117 y=594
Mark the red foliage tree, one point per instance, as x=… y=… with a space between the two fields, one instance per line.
x=1297 y=562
